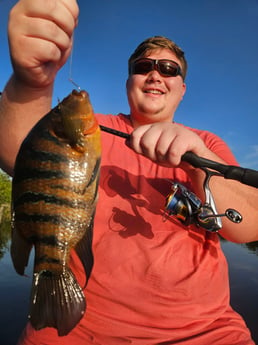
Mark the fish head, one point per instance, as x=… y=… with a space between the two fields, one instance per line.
x=77 y=118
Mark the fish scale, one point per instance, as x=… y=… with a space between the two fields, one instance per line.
x=54 y=195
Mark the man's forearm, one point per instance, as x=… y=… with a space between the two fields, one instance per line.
x=20 y=108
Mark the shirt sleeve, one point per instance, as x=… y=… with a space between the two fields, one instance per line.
x=217 y=145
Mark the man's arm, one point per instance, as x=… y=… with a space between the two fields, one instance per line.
x=165 y=143
x=20 y=108
x=40 y=40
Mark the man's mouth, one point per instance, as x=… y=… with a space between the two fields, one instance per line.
x=154 y=91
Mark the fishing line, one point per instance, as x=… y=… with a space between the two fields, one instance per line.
x=70 y=67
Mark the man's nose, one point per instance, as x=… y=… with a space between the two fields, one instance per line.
x=154 y=76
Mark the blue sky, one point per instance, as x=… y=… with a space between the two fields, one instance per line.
x=219 y=38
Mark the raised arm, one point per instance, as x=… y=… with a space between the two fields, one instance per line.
x=40 y=40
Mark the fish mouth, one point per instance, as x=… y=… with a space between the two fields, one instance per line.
x=80 y=93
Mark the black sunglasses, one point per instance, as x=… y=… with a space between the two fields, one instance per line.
x=167 y=68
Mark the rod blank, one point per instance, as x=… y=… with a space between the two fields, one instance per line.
x=243 y=175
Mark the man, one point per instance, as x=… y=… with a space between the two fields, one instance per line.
x=153 y=282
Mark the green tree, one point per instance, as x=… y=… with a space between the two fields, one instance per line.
x=5 y=188
x=5 y=232
x=5 y=216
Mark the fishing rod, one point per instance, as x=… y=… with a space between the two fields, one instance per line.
x=185 y=206
x=243 y=175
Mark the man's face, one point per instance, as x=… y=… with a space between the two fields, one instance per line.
x=153 y=97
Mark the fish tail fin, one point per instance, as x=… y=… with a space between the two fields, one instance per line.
x=56 y=301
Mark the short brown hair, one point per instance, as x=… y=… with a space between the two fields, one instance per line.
x=159 y=42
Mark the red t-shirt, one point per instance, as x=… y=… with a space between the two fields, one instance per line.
x=153 y=281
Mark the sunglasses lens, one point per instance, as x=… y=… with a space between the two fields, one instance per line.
x=168 y=68
x=142 y=67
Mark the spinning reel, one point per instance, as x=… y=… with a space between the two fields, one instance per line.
x=188 y=208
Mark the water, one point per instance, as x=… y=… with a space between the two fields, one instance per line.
x=14 y=292
x=243 y=273
x=243 y=263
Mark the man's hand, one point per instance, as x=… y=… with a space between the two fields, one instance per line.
x=40 y=39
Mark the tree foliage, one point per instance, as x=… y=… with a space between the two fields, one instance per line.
x=5 y=188
x=5 y=217
x=5 y=232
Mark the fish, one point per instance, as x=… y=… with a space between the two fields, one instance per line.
x=54 y=196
